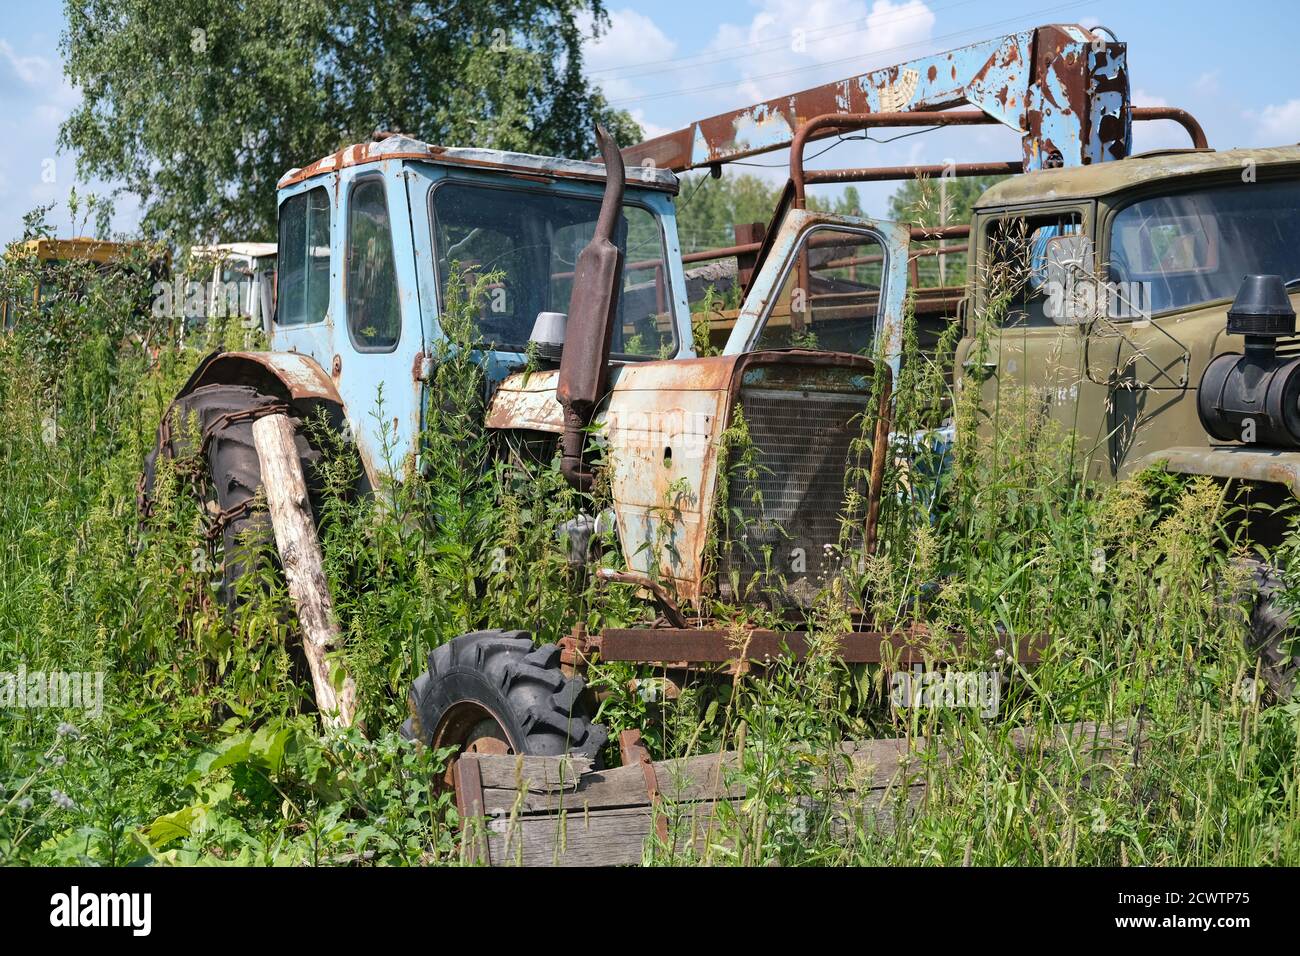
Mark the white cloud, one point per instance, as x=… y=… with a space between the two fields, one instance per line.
x=18 y=72
x=1279 y=123
x=35 y=98
x=630 y=39
x=792 y=37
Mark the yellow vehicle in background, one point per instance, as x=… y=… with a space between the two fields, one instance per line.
x=48 y=254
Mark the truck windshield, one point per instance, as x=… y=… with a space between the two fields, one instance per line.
x=1194 y=247
x=531 y=240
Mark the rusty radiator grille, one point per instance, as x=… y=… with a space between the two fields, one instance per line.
x=781 y=520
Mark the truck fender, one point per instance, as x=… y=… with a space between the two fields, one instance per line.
x=296 y=379
x=1262 y=466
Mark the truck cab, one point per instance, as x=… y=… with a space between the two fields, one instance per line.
x=241 y=276
x=47 y=281
x=1115 y=346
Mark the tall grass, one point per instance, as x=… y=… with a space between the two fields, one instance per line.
x=207 y=751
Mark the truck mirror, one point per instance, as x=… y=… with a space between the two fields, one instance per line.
x=1070 y=283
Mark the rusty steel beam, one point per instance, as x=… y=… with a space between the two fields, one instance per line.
x=939 y=251
x=818 y=126
x=714 y=646
x=870 y=174
x=919 y=233
x=704 y=255
x=924 y=233
x=1063 y=87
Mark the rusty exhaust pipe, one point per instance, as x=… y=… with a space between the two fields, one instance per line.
x=593 y=310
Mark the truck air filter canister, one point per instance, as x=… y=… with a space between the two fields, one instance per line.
x=1255 y=398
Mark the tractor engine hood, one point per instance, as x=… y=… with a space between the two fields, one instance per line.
x=676 y=433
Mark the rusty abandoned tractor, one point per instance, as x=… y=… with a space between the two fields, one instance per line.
x=593 y=273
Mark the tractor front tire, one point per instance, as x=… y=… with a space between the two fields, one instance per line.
x=498 y=692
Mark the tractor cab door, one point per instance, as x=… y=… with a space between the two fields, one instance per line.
x=831 y=283
x=347 y=297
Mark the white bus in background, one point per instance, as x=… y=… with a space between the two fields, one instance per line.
x=242 y=280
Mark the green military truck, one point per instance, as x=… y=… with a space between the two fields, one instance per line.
x=1148 y=304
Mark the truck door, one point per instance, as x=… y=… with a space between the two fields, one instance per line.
x=1166 y=263
x=1017 y=351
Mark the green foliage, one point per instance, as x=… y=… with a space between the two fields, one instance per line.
x=200 y=115
x=710 y=208
x=206 y=751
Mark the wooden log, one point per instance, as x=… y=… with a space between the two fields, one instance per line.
x=300 y=556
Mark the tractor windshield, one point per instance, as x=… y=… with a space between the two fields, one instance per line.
x=531 y=240
x=1193 y=247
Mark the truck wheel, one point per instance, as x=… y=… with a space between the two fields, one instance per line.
x=224 y=415
x=497 y=692
x=1271 y=630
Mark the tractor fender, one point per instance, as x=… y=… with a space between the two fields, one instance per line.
x=1259 y=465
x=297 y=378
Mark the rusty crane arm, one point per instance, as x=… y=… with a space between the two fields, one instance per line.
x=1064 y=88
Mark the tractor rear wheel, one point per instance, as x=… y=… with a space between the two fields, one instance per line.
x=232 y=472
x=497 y=692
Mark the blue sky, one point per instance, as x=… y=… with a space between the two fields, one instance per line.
x=672 y=61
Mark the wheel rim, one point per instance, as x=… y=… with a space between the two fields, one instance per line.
x=473 y=728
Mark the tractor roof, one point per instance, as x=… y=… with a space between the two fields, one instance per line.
x=1085 y=182
x=403 y=147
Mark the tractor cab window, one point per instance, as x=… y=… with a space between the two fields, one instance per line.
x=1015 y=265
x=530 y=241
x=304 y=258
x=831 y=296
x=374 y=313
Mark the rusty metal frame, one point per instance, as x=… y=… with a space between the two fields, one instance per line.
x=829 y=124
x=632 y=750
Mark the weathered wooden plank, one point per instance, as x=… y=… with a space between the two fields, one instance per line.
x=867 y=764
x=300 y=556
x=532 y=774
x=617 y=837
